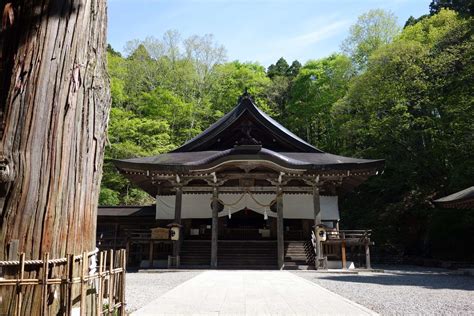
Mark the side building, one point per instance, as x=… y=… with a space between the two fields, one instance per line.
x=245 y=193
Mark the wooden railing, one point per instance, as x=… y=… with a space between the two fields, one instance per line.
x=101 y=273
x=360 y=235
x=335 y=245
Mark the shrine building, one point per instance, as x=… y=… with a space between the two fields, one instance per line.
x=249 y=193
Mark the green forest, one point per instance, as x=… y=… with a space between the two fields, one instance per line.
x=400 y=93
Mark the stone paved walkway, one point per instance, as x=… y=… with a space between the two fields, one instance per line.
x=250 y=293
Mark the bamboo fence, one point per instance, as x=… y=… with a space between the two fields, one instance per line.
x=96 y=276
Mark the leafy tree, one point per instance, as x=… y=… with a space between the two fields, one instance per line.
x=412 y=20
x=108 y=197
x=112 y=51
x=233 y=78
x=294 y=69
x=278 y=94
x=134 y=136
x=405 y=96
x=319 y=84
x=130 y=136
x=281 y=68
x=117 y=69
x=282 y=76
x=142 y=72
x=162 y=104
x=161 y=97
x=433 y=30
x=371 y=31
x=413 y=106
x=463 y=7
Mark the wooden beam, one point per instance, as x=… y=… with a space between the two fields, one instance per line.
x=349 y=242
x=215 y=227
x=251 y=189
x=251 y=175
x=280 y=229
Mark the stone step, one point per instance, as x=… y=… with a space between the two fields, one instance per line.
x=232 y=254
x=298 y=267
x=248 y=267
x=295 y=262
x=245 y=263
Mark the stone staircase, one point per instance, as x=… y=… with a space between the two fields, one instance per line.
x=299 y=255
x=247 y=254
x=196 y=254
x=231 y=254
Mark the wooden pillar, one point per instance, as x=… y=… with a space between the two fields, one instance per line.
x=367 y=256
x=178 y=204
x=280 y=229
x=150 y=254
x=177 y=219
x=215 y=227
x=317 y=221
x=343 y=251
x=316 y=206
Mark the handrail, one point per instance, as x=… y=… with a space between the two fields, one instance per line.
x=349 y=234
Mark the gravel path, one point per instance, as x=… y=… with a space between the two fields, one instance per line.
x=142 y=288
x=398 y=291
x=403 y=290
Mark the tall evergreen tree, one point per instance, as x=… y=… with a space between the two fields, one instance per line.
x=463 y=7
x=54 y=105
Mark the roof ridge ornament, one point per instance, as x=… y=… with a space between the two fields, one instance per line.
x=245 y=95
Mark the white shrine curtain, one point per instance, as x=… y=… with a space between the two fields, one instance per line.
x=297 y=206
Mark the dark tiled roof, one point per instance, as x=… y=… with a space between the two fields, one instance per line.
x=183 y=161
x=246 y=107
x=127 y=210
x=245 y=134
x=461 y=199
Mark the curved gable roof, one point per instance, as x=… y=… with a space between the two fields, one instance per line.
x=246 y=110
x=461 y=199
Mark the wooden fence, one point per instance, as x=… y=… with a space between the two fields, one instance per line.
x=94 y=279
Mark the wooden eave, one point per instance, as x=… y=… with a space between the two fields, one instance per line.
x=272 y=148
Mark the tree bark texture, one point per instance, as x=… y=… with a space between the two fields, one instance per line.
x=54 y=105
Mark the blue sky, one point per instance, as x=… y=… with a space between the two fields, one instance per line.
x=258 y=30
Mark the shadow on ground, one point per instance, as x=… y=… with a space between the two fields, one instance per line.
x=433 y=279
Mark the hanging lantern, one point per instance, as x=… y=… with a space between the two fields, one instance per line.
x=228 y=213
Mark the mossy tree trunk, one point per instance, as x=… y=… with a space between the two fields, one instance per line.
x=54 y=105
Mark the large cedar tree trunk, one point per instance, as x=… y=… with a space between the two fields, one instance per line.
x=54 y=105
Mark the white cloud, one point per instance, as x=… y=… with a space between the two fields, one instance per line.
x=325 y=32
x=299 y=46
